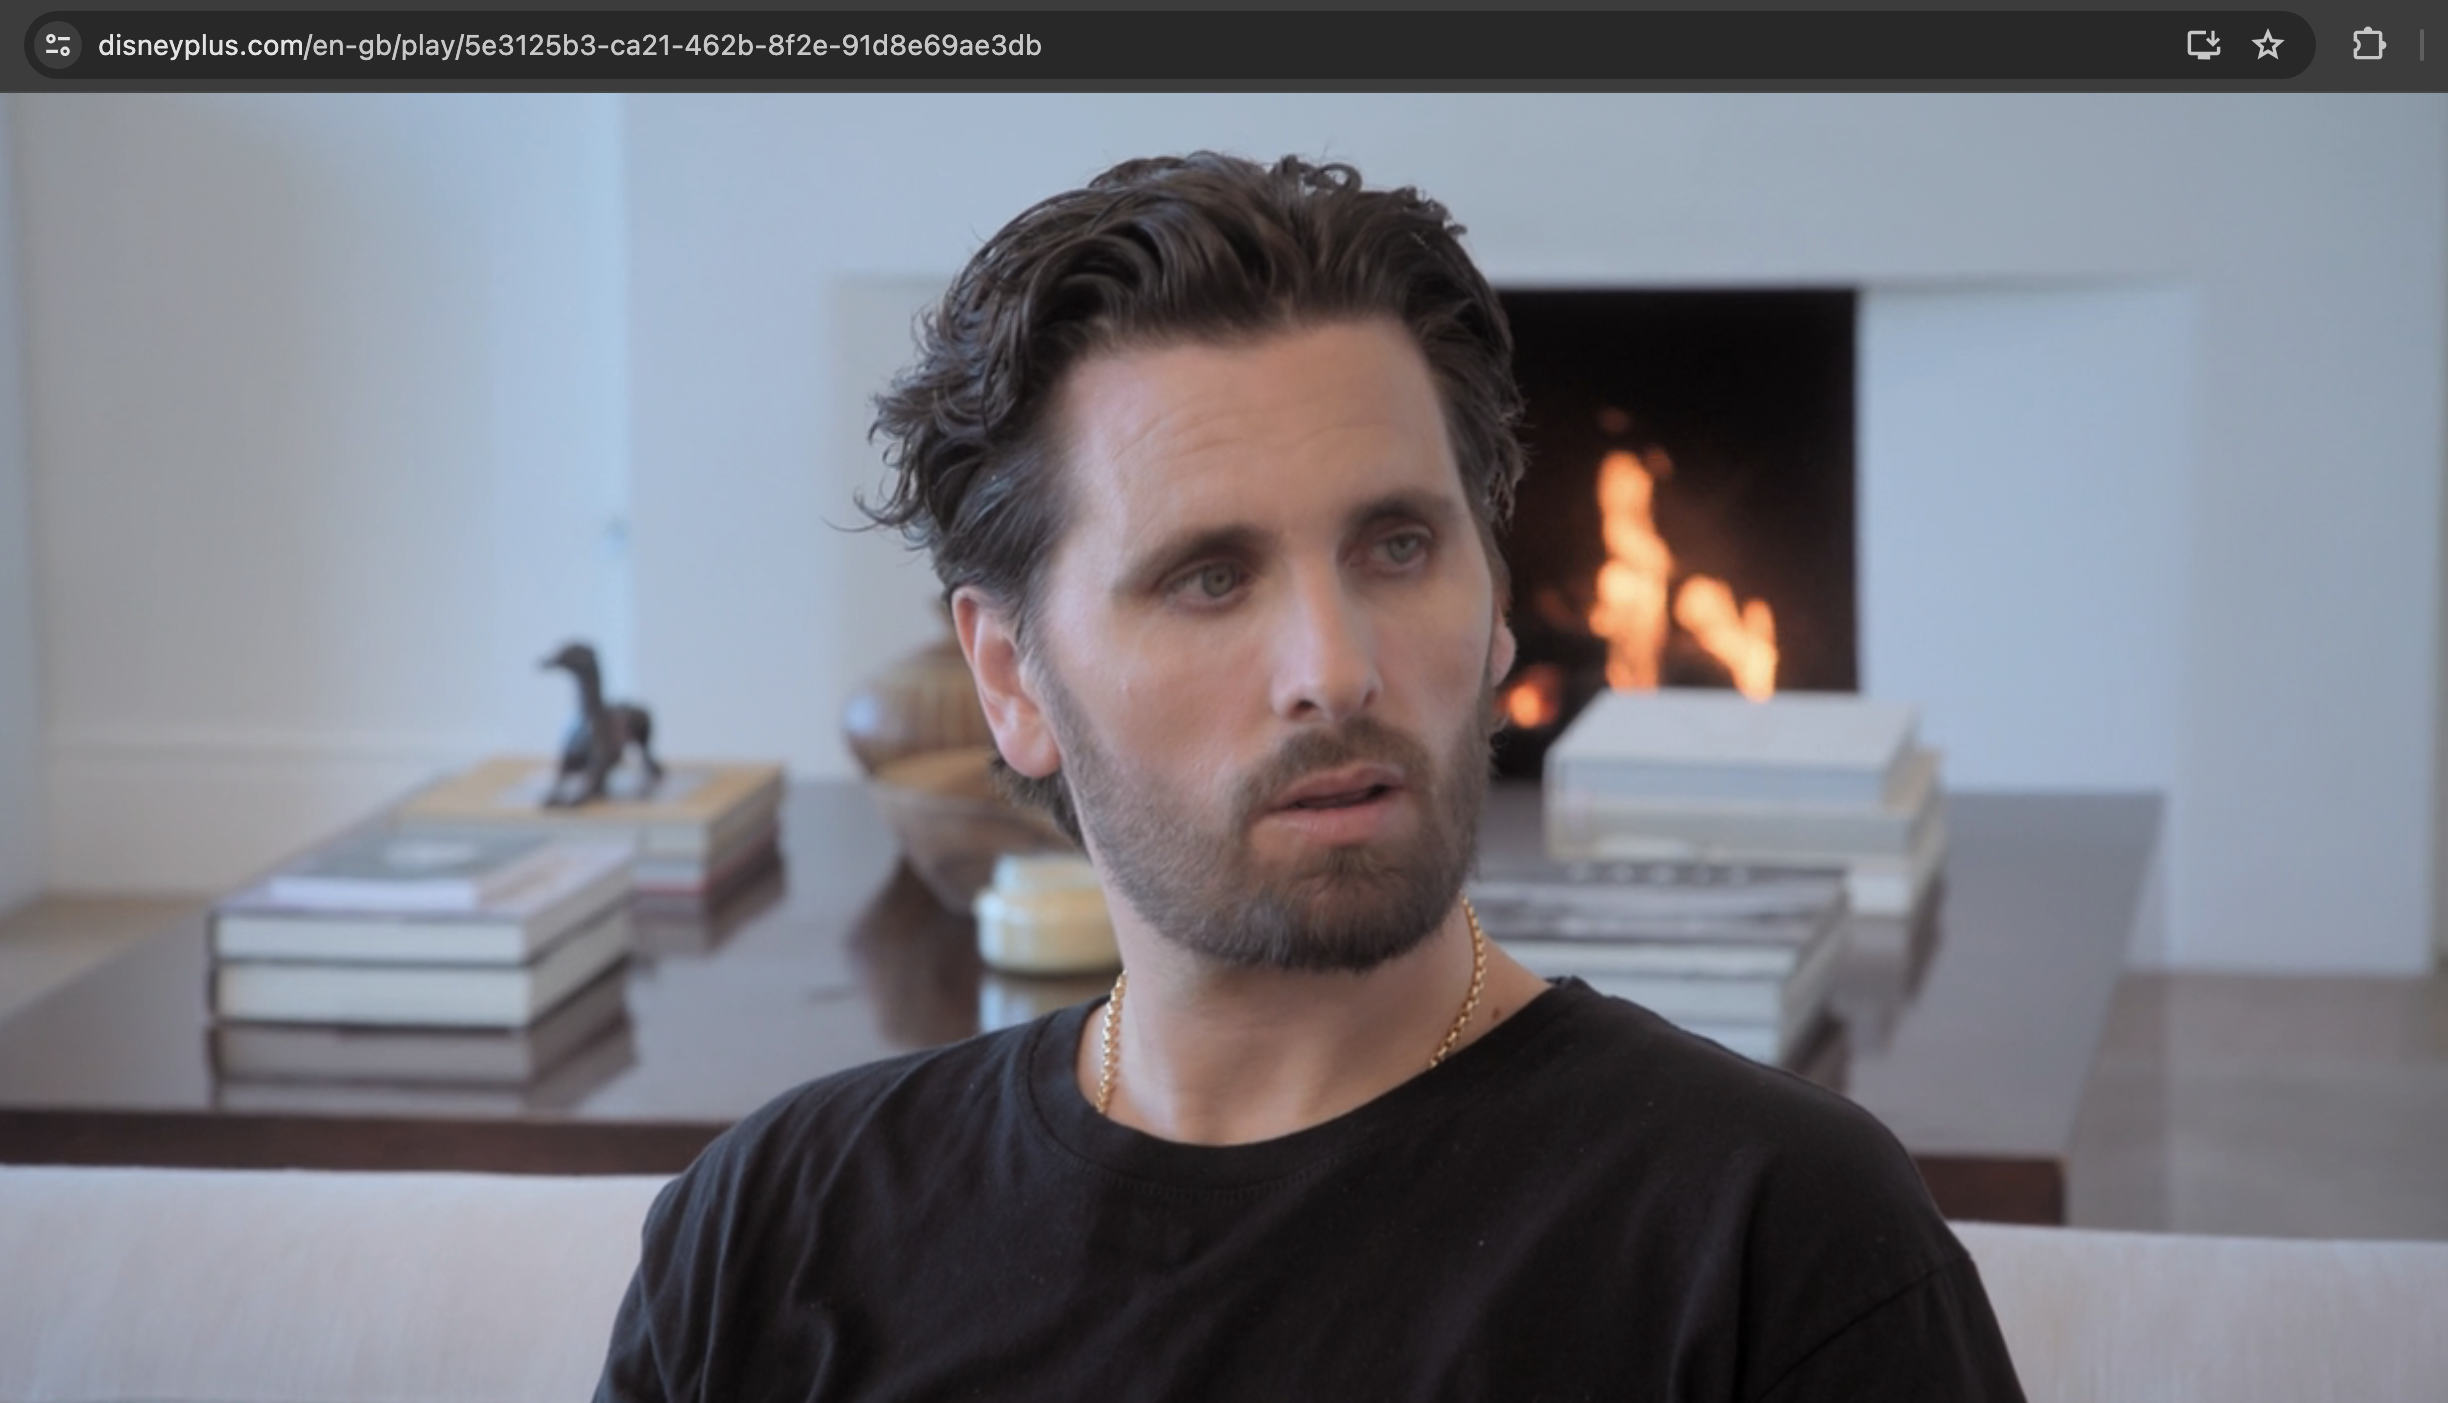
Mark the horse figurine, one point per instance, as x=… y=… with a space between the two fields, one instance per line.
x=600 y=736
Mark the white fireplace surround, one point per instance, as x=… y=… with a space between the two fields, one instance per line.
x=338 y=412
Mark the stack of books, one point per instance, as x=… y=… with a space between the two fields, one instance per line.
x=548 y=1064
x=395 y=932
x=1746 y=956
x=705 y=831
x=1796 y=780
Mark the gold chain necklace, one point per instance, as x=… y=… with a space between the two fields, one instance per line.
x=1110 y=1041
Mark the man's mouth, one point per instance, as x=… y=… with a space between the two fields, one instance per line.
x=1344 y=787
x=1343 y=800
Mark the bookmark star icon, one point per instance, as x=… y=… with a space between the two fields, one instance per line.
x=2268 y=45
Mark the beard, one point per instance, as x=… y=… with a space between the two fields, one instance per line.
x=1202 y=885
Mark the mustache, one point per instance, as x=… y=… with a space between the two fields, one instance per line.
x=1360 y=740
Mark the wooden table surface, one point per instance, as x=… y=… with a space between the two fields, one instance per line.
x=1975 y=1052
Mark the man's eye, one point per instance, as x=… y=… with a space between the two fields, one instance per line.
x=1405 y=548
x=1213 y=581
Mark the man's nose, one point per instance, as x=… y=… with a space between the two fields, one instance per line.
x=1326 y=656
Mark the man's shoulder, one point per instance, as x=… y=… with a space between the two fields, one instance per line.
x=1620 y=1049
x=885 y=1106
x=1681 y=1154
x=1685 y=1110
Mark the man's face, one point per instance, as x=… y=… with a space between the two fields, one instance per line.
x=1266 y=645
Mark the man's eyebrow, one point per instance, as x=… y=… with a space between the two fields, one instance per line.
x=1434 y=509
x=1148 y=569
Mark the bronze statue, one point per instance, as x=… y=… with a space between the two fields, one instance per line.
x=603 y=732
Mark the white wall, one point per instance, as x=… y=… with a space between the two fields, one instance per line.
x=337 y=315
x=328 y=429
x=2273 y=262
x=2033 y=445
x=21 y=810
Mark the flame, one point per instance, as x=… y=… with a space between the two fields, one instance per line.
x=1536 y=698
x=1631 y=608
x=1630 y=613
x=1744 y=640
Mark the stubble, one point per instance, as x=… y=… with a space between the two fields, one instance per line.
x=1201 y=884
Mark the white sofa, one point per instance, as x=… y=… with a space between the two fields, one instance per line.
x=309 y=1287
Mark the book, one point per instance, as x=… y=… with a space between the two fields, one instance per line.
x=706 y=878
x=561 y=886
x=1670 y=918
x=1786 y=999
x=1898 y=890
x=1882 y=976
x=696 y=926
x=424 y=994
x=559 y=1087
x=1747 y=973
x=378 y=870
x=354 y=1053
x=1876 y=884
x=1697 y=829
x=1686 y=744
x=1746 y=955
x=698 y=808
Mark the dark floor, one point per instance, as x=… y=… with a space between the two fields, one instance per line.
x=2261 y=1105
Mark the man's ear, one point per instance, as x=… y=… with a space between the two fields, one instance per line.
x=1500 y=648
x=988 y=641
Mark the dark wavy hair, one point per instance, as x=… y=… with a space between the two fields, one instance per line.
x=1157 y=252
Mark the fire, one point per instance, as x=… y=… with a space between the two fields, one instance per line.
x=1630 y=613
x=1631 y=609
x=1744 y=640
x=1536 y=698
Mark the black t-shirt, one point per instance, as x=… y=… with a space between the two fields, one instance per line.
x=1587 y=1203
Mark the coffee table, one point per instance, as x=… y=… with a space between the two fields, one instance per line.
x=1974 y=1048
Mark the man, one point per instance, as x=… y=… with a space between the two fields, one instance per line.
x=1210 y=458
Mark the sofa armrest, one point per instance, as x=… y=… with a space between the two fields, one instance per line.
x=2103 y=1316
x=289 y=1286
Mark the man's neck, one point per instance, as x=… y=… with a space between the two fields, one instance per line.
x=1211 y=1055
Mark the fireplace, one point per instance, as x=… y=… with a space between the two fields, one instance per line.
x=1688 y=516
